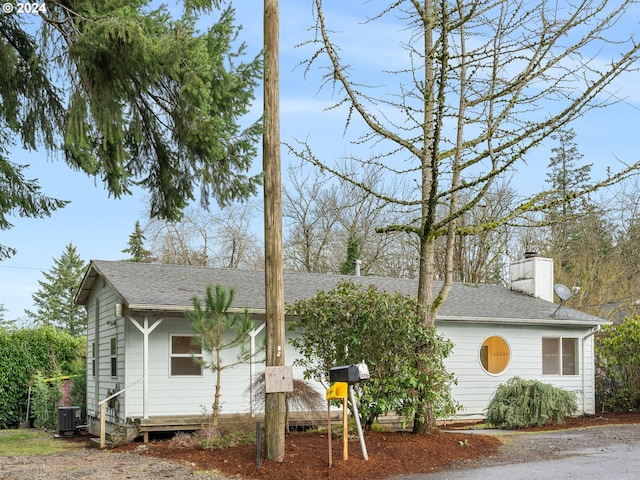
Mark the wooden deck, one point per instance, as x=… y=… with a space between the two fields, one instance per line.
x=187 y=423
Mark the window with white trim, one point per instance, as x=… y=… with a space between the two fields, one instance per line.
x=93 y=359
x=96 y=323
x=184 y=355
x=495 y=354
x=114 y=356
x=560 y=356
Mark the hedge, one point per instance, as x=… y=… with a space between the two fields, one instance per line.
x=23 y=353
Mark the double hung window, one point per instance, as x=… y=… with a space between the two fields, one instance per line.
x=186 y=356
x=560 y=356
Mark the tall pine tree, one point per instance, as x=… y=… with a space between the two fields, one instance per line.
x=567 y=177
x=136 y=246
x=54 y=299
x=130 y=95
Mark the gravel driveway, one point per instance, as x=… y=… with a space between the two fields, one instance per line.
x=93 y=464
x=610 y=451
x=527 y=447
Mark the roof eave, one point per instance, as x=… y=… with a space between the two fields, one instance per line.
x=148 y=308
x=82 y=294
x=525 y=321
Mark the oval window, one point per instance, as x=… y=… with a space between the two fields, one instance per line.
x=495 y=355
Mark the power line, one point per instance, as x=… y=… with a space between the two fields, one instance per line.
x=21 y=268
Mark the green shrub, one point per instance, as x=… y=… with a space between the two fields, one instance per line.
x=529 y=403
x=79 y=389
x=618 y=366
x=350 y=324
x=26 y=351
x=45 y=399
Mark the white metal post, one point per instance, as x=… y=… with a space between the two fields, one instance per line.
x=357 y=417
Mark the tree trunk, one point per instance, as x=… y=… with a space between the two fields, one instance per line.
x=425 y=419
x=215 y=409
x=274 y=289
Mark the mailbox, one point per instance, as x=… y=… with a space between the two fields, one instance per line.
x=343 y=378
x=349 y=373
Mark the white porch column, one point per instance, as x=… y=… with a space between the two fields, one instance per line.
x=145 y=329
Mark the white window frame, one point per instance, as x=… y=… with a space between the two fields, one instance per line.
x=563 y=357
x=183 y=355
x=113 y=356
x=485 y=350
x=93 y=359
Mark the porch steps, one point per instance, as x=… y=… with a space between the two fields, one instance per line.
x=95 y=442
x=172 y=423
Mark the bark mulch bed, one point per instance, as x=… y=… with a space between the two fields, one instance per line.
x=390 y=453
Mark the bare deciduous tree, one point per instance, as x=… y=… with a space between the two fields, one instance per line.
x=483 y=84
x=481 y=257
x=325 y=215
x=311 y=220
x=236 y=245
x=223 y=240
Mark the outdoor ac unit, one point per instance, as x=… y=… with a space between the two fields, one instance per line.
x=68 y=418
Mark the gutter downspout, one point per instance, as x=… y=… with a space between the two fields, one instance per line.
x=594 y=330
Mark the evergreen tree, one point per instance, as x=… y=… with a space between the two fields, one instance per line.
x=55 y=297
x=131 y=95
x=219 y=330
x=353 y=254
x=581 y=239
x=136 y=246
x=566 y=178
x=4 y=322
x=19 y=196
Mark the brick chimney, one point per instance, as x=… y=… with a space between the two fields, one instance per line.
x=533 y=276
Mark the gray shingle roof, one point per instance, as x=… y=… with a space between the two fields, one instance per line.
x=149 y=287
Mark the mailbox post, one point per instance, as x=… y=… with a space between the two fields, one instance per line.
x=338 y=391
x=350 y=374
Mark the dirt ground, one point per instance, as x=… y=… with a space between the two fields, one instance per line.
x=390 y=453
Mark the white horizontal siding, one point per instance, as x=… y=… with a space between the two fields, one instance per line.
x=189 y=395
x=193 y=395
x=180 y=395
x=101 y=335
x=476 y=387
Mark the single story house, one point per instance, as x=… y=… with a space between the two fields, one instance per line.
x=139 y=341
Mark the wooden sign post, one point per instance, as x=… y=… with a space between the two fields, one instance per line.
x=339 y=390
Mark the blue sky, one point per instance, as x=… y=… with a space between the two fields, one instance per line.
x=99 y=226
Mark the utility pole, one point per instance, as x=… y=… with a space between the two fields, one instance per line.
x=275 y=407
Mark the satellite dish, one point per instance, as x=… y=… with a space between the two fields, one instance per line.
x=564 y=294
x=562 y=291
